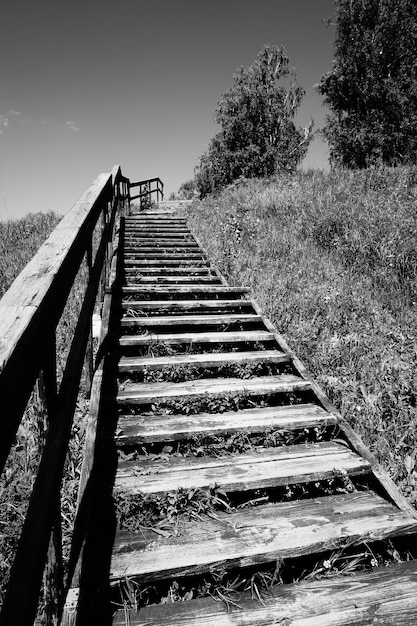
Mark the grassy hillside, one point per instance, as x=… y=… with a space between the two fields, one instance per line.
x=332 y=260
x=19 y=240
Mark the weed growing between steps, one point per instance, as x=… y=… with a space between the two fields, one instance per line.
x=235 y=443
x=207 y=403
x=259 y=583
x=166 y=514
x=163 y=514
x=184 y=373
x=183 y=295
x=157 y=348
x=208 y=326
x=150 y=313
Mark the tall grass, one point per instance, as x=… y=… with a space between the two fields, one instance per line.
x=19 y=240
x=332 y=260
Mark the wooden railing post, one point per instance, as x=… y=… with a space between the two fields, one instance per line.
x=53 y=577
x=89 y=355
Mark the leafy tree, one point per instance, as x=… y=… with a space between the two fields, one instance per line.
x=187 y=190
x=258 y=136
x=372 y=88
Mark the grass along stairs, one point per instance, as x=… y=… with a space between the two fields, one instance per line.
x=241 y=495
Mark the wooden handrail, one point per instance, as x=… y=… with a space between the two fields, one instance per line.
x=145 y=190
x=148 y=180
x=29 y=314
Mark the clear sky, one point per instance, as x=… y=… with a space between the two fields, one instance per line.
x=86 y=84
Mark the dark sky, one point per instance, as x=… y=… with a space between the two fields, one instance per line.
x=85 y=84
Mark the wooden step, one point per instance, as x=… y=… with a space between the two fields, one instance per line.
x=159 y=241
x=239 y=336
x=187 y=305
x=156 y=227
x=144 y=270
x=384 y=596
x=180 y=320
x=212 y=359
x=155 y=220
x=139 y=233
x=165 y=256
x=201 y=290
x=157 y=236
x=155 y=249
x=168 y=231
x=176 y=279
x=149 y=393
x=164 y=263
x=135 y=430
x=270 y=467
x=155 y=224
x=259 y=535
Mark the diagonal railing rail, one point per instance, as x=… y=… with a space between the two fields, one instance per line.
x=30 y=312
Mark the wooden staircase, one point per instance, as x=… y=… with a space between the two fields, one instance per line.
x=210 y=400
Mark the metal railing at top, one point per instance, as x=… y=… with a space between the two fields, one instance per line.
x=30 y=312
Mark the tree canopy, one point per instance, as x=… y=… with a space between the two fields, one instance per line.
x=372 y=89
x=258 y=136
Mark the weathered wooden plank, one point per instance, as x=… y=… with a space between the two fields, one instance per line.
x=157 y=392
x=156 y=218
x=158 y=229
x=211 y=359
x=193 y=289
x=164 y=231
x=187 y=305
x=161 y=280
x=143 y=429
x=147 y=270
x=180 y=320
x=148 y=244
x=165 y=256
x=156 y=224
x=162 y=248
x=138 y=219
x=271 y=467
x=261 y=534
x=134 y=262
x=156 y=248
x=140 y=234
x=176 y=242
x=133 y=226
x=247 y=336
x=385 y=596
